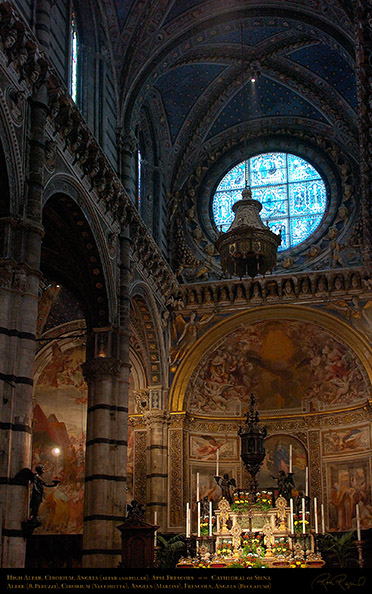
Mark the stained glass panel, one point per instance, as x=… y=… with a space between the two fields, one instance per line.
x=283 y=226
x=292 y=193
x=74 y=58
x=273 y=199
x=307 y=198
x=222 y=208
x=302 y=227
x=299 y=169
x=139 y=175
x=270 y=168
x=233 y=179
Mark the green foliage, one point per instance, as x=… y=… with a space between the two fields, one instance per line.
x=339 y=548
x=170 y=549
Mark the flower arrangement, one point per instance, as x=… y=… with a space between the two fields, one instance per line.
x=252 y=560
x=204 y=525
x=281 y=546
x=253 y=543
x=297 y=563
x=225 y=549
x=298 y=524
x=264 y=500
x=240 y=501
x=202 y=564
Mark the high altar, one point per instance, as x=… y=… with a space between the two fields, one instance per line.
x=264 y=534
x=255 y=528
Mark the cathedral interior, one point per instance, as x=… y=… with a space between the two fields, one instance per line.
x=129 y=353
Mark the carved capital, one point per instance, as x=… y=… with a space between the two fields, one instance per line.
x=154 y=417
x=100 y=368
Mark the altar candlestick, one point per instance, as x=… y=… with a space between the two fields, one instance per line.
x=358 y=521
x=187 y=519
x=303 y=516
x=210 y=518
x=315 y=515
x=217 y=461
x=198 y=518
x=307 y=481
x=291 y=516
x=197 y=487
x=322 y=514
x=155 y=522
x=290 y=459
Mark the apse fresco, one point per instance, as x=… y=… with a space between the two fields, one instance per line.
x=59 y=421
x=286 y=364
x=349 y=483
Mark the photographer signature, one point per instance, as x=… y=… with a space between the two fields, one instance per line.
x=341 y=580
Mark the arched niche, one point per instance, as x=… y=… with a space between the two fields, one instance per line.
x=73 y=255
x=147 y=335
x=298 y=337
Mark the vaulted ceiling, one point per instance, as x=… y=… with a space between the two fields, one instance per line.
x=183 y=60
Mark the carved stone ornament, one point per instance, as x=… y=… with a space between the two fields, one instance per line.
x=100 y=368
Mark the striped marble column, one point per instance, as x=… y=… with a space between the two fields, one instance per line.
x=105 y=472
x=157 y=470
x=18 y=315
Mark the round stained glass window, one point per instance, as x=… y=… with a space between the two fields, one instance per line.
x=292 y=193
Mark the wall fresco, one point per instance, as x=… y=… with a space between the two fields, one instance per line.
x=346 y=440
x=59 y=421
x=349 y=483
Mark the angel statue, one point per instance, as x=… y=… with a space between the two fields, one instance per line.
x=26 y=476
x=226 y=484
x=188 y=333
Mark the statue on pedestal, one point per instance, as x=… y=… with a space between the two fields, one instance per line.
x=226 y=484
x=285 y=484
x=24 y=477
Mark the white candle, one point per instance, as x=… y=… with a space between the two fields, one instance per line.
x=322 y=514
x=217 y=461
x=358 y=521
x=155 y=522
x=187 y=519
x=189 y=530
x=197 y=487
x=291 y=516
x=303 y=516
x=210 y=518
x=198 y=518
x=290 y=459
x=315 y=515
x=307 y=481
